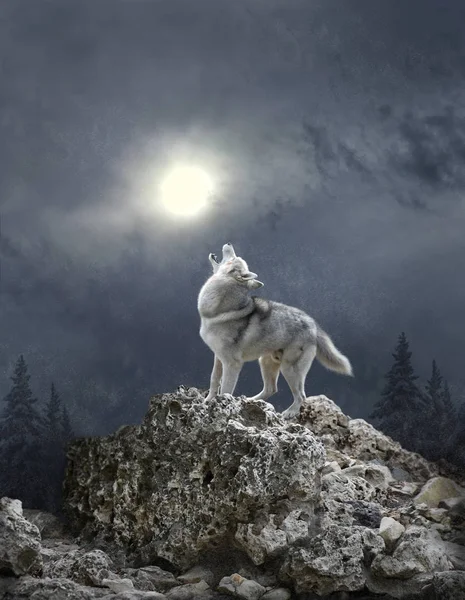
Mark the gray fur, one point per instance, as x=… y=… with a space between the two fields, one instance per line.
x=239 y=328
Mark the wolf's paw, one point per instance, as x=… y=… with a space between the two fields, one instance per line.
x=229 y=397
x=291 y=412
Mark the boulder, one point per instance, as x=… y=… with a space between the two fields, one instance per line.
x=438 y=489
x=190 y=476
x=390 y=530
x=19 y=541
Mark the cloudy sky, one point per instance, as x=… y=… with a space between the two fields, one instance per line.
x=334 y=134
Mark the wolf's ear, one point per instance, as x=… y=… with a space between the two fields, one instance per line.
x=254 y=284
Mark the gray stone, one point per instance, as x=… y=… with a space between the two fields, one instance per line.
x=390 y=530
x=19 y=541
x=437 y=489
x=419 y=551
x=277 y=594
x=188 y=591
x=86 y=568
x=239 y=587
x=196 y=574
x=118 y=585
x=31 y=588
x=151 y=578
x=449 y=586
x=332 y=560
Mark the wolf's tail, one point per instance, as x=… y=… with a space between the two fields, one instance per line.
x=329 y=356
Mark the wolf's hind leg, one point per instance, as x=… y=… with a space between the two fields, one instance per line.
x=295 y=372
x=269 y=368
x=215 y=378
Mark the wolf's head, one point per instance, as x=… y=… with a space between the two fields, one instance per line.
x=235 y=267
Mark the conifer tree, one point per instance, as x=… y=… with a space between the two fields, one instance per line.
x=400 y=404
x=431 y=422
x=67 y=433
x=20 y=430
x=53 y=415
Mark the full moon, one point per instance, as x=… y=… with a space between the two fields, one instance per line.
x=186 y=191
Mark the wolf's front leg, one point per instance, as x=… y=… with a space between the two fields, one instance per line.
x=215 y=378
x=231 y=370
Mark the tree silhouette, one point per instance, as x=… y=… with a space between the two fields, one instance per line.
x=20 y=430
x=400 y=404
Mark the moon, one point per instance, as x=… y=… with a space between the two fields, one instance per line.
x=186 y=190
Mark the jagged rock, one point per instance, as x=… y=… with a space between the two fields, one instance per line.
x=49 y=525
x=390 y=530
x=86 y=568
x=333 y=560
x=239 y=587
x=31 y=588
x=19 y=541
x=419 y=551
x=238 y=456
x=355 y=438
x=229 y=485
x=196 y=574
x=151 y=578
x=437 y=489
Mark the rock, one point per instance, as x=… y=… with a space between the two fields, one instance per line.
x=390 y=530
x=455 y=508
x=49 y=525
x=151 y=578
x=86 y=568
x=238 y=456
x=31 y=588
x=436 y=490
x=118 y=585
x=196 y=574
x=456 y=555
x=378 y=476
x=188 y=591
x=237 y=586
x=449 y=586
x=420 y=550
x=19 y=541
x=333 y=560
x=135 y=595
x=277 y=594
x=330 y=467
x=367 y=514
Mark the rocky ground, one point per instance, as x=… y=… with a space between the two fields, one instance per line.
x=220 y=499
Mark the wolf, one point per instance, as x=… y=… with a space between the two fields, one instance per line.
x=239 y=328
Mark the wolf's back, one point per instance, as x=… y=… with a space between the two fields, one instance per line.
x=329 y=356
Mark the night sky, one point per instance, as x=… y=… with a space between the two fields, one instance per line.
x=334 y=133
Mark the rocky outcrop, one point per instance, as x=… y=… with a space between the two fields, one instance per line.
x=197 y=476
x=220 y=499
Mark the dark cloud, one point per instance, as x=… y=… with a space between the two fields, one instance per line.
x=320 y=123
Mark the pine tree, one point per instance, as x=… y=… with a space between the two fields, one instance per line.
x=67 y=433
x=53 y=414
x=399 y=406
x=20 y=431
x=433 y=415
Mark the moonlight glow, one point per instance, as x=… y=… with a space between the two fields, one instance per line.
x=186 y=191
